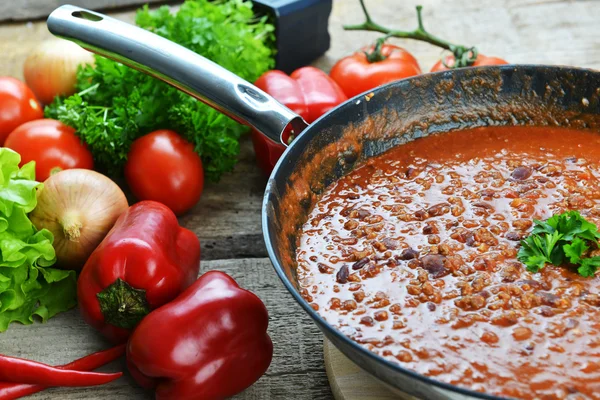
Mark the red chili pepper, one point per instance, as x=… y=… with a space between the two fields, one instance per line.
x=211 y=342
x=308 y=91
x=18 y=370
x=145 y=261
x=11 y=391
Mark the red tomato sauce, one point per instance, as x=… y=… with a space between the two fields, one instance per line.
x=413 y=255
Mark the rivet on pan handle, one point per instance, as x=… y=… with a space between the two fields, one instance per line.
x=176 y=65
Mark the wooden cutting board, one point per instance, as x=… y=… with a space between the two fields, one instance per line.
x=349 y=382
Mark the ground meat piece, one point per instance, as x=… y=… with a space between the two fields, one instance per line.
x=522 y=224
x=420 y=215
x=438 y=209
x=514 y=236
x=510 y=272
x=484 y=205
x=325 y=269
x=471 y=302
x=483 y=235
x=552 y=300
x=390 y=243
x=461 y=234
x=430 y=227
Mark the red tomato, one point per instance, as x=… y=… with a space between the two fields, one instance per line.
x=308 y=91
x=17 y=105
x=480 y=61
x=356 y=74
x=164 y=167
x=52 y=145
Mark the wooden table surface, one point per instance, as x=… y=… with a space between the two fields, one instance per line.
x=227 y=219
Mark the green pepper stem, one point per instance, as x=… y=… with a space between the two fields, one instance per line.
x=464 y=55
x=123 y=305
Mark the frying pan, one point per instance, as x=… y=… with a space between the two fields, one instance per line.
x=362 y=127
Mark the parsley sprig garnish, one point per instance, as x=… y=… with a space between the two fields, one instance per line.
x=563 y=238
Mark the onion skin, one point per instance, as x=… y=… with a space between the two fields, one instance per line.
x=79 y=207
x=51 y=68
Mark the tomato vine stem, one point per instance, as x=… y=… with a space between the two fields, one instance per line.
x=464 y=55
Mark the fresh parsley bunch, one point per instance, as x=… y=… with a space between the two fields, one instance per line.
x=563 y=237
x=116 y=104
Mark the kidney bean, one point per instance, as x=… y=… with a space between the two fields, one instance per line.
x=521 y=173
x=342 y=275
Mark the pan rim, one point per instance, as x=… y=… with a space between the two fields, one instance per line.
x=317 y=318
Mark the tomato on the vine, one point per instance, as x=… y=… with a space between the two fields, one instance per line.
x=373 y=66
x=480 y=61
x=164 y=167
x=51 y=144
x=17 y=105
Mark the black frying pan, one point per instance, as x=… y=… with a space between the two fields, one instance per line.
x=362 y=127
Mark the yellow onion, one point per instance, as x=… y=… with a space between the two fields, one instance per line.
x=79 y=207
x=51 y=68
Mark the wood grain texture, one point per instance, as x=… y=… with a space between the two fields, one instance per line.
x=349 y=382
x=22 y=10
x=227 y=219
x=297 y=371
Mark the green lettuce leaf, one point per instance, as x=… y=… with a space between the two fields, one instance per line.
x=28 y=286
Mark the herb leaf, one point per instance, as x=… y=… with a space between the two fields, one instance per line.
x=117 y=104
x=589 y=266
x=575 y=249
x=567 y=236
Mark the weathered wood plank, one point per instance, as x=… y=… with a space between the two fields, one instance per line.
x=296 y=372
x=227 y=219
x=23 y=10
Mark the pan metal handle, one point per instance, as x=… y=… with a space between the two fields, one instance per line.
x=177 y=66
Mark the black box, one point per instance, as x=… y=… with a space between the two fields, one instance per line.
x=300 y=28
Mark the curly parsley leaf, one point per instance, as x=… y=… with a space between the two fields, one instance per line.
x=567 y=236
x=117 y=104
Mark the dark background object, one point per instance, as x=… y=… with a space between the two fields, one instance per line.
x=26 y=10
x=301 y=30
x=301 y=25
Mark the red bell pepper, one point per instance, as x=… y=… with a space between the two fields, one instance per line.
x=308 y=91
x=145 y=261
x=209 y=343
